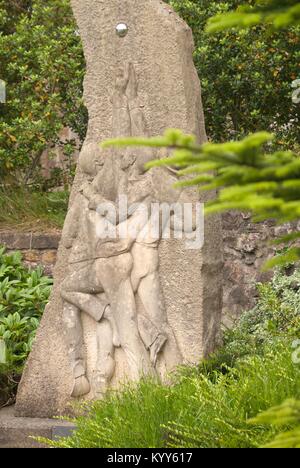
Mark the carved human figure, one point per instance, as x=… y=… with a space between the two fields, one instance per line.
x=136 y=108
x=81 y=290
x=121 y=112
x=100 y=286
x=114 y=264
x=154 y=328
x=142 y=239
x=128 y=111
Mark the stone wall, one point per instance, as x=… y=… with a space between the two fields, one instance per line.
x=37 y=249
x=246 y=248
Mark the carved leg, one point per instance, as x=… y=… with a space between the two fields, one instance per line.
x=79 y=293
x=115 y=278
x=74 y=339
x=125 y=313
x=150 y=294
x=81 y=289
x=106 y=363
x=151 y=336
x=146 y=279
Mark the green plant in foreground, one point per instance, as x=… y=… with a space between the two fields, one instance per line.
x=23 y=297
x=279 y=13
x=286 y=415
x=195 y=411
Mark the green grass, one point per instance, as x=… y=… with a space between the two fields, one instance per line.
x=25 y=209
x=197 y=411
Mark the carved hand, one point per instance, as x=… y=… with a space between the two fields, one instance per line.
x=114 y=247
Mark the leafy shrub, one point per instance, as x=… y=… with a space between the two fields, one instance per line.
x=276 y=313
x=42 y=63
x=23 y=296
x=246 y=76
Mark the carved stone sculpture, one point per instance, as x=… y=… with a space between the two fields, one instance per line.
x=127 y=302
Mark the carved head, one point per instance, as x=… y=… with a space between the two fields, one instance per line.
x=91 y=159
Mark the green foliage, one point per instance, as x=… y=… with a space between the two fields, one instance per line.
x=246 y=176
x=195 y=411
x=23 y=296
x=280 y=13
x=287 y=415
x=22 y=291
x=275 y=315
x=13 y=330
x=28 y=210
x=42 y=64
x=246 y=76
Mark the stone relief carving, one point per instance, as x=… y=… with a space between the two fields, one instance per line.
x=115 y=280
x=110 y=335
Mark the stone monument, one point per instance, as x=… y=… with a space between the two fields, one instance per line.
x=126 y=306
